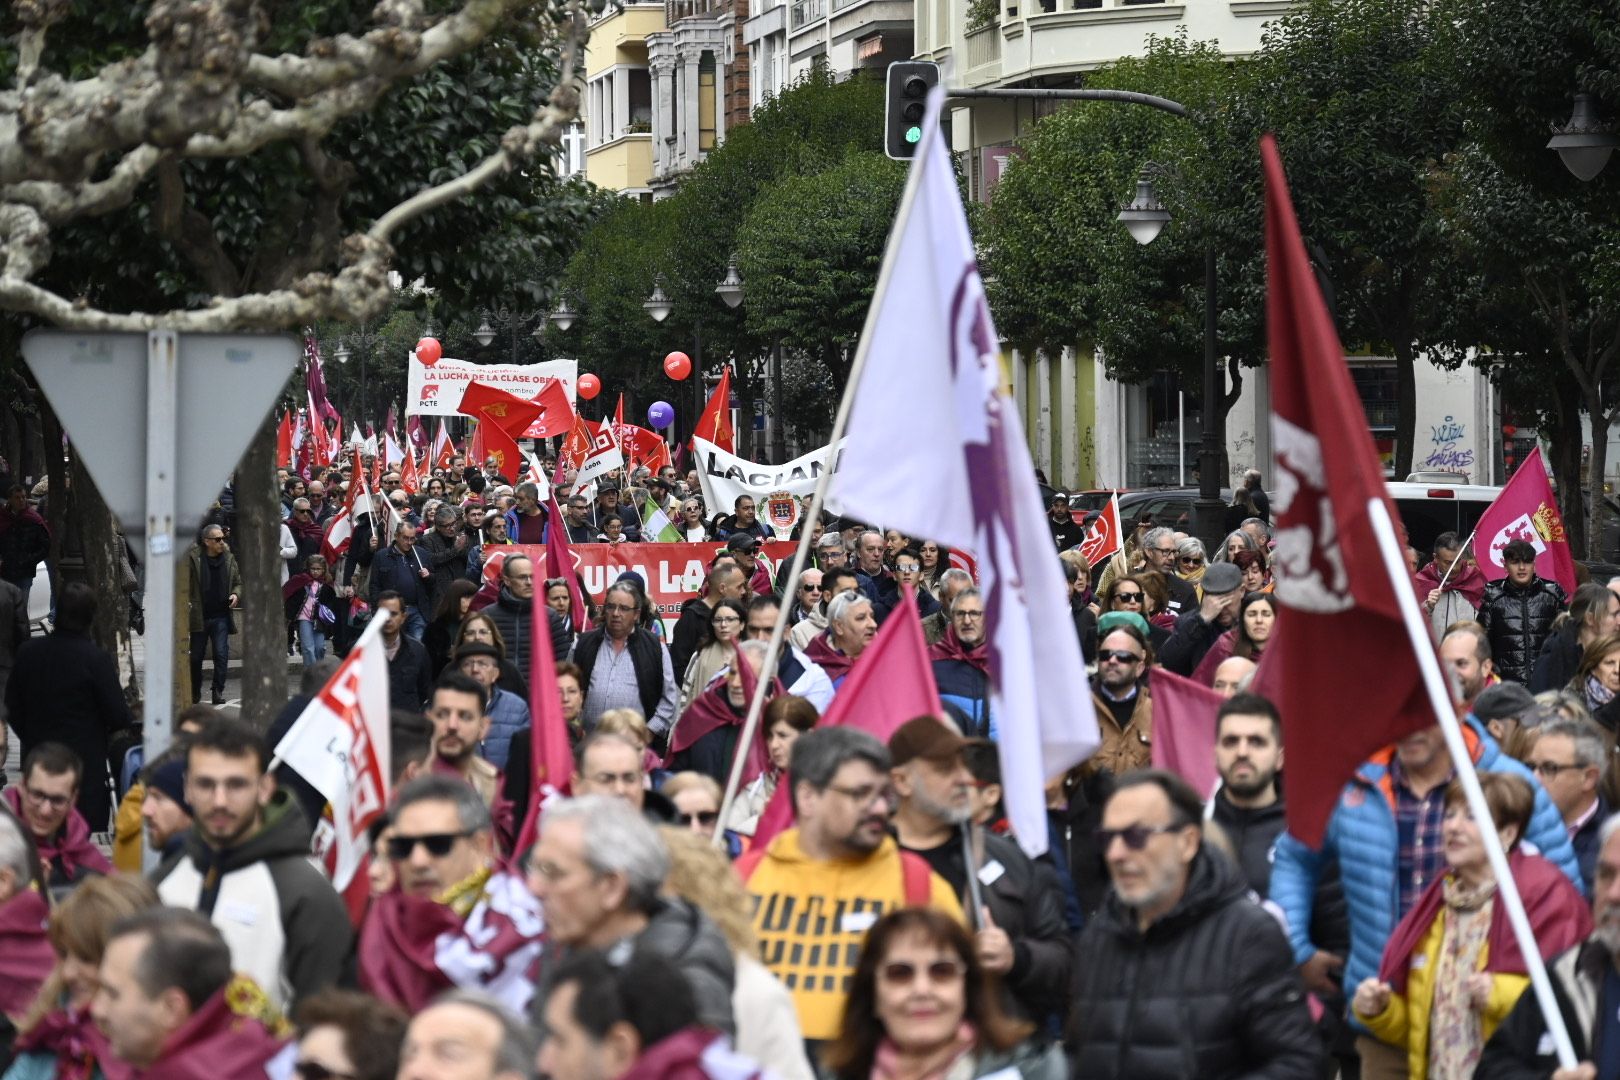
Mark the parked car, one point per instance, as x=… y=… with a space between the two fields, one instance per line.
x=1427 y=510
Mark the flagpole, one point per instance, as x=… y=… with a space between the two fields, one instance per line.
x=773 y=648
x=1507 y=889
x=1462 y=553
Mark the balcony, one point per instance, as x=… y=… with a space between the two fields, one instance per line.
x=982 y=49
x=675 y=10
x=805 y=12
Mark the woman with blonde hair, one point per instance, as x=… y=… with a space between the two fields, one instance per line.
x=767 y=1026
x=57 y=1038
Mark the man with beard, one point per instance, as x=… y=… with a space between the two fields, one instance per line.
x=1249 y=806
x=821 y=885
x=459 y=713
x=246 y=868
x=1020 y=933
x=1586 y=988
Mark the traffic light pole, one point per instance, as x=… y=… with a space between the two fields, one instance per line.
x=1175 y=108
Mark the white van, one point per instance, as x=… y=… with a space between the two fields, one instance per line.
x=1427 y=510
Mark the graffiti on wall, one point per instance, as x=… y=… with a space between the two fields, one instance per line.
x=1448 y=449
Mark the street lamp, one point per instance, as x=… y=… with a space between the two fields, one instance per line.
x=486 y=333
x=731 y=288
x=363 y=341
x=563 y=317
x=1585 y=143
x=658 y=305
x=1145 y=216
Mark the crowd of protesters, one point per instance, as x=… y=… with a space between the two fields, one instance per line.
x=895 y=929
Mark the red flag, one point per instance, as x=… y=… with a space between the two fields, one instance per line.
x=644 y=447
x=407 y=473
x=890 y=683
x=477 y=451
x=618 y=429
x=1104 y=536
x=1526 y=509
x=551 y=760
x=715 y=423
x=1345 y=616
x=1184 y=729
x=443 y=448
x=501 y=418
x=416 y=433
x=556 y=412
x=560 y=559
x=284 y=439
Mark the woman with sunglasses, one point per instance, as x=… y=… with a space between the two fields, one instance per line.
x=1256 y=623
x=694 y=530
x=1190 y=561
x=726 y=621
x=697 y=799
x=344 y=1035
x=1130 y=593
x=921 y=1007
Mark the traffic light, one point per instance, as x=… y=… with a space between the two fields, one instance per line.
x=904 y=103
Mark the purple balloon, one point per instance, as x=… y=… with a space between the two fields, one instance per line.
x=660 y=414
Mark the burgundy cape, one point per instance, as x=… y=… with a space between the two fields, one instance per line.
x=71 y=846
x=1466 y=580
x=950 y=647
x=833 y=662
x=1559 y=917
x=79 y=1046
x=216 y=1043
x=26 y=956
x=712 y=710
x=692 y=1053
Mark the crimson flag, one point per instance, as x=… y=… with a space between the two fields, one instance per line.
x=890 y=683
x=551 y=760
x=284 y=440
x=715 y=423
x=501 y=418
x=560 y=558
x=1104 y=537
x=1184 y=729
x=1345 y=615
x=556 y=412
x=643 y=446
x=1526 y=509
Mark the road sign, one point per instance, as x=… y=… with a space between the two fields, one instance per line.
x=98 y=385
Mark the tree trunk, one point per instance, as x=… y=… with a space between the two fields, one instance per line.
x=56 y=483
x=1597 y=465
x=106 y=568
x=264 y=629
x=1405 y=406
x=1565 y=438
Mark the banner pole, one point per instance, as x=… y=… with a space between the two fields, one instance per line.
x=1445 y=712
x=801 y=554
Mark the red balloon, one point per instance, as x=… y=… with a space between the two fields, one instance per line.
x=589 y=386
x=677 y=365
x=429 y=351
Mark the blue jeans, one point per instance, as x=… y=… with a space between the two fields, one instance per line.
x=217 y=632
x=415 y=625
x=311 y=643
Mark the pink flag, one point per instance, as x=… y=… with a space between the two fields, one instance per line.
x=891 y=682
x=1184 y=729
x=551 y=761
x=1526 y=509
x=340 y=745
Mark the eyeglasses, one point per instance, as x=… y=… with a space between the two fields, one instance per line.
x=725 y=620
x=621 y=608
x=1191 y=560
x=1127 y=598
x=904 y=973
x=214 y=539
x=1163 y=550
x=1550 y=769
x=705 y=818
x=1136 y=837
x=867 y=795
x=438 y=844
x=314 y=1070
x=1119 y=656
x=967 y=614
x=55 y=802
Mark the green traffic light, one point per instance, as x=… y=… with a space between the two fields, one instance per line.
x=914 y=134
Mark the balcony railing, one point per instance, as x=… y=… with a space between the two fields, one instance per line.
x=983 y=47
x=805 y=12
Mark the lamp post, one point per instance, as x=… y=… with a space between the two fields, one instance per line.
x=1585 y=143
x=1144 y=217
x=507 y=318
x=362 y=341
x=731 y=290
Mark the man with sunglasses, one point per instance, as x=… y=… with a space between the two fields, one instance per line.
x=484 y=933
x=1120 y=694
x=1159 y=550
x=246 y=867
x=1180 y=973
x=821 y=885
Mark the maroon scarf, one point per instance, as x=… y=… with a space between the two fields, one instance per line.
x=71 y=847
x=950 y=647
x=712 y=710
x=26 y=956
x=79 y=1046
x=218 y=1041
x=1467 y=580
x=1559 y=917
x=833 y=662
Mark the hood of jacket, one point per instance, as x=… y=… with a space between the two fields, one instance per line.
x=284 y=832
x=1212 y=881
x=680 y=933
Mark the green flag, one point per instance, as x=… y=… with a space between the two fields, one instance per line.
x=656 y=526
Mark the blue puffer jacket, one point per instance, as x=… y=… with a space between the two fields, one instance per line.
x=965 y=686
x=508 y=715
x=1361 y=834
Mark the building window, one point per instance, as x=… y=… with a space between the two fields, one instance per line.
x=1161 y=443
x=639 y=88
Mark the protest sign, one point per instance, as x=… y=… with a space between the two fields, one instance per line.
x=437 y=390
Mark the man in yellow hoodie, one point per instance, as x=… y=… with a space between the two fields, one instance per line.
x=819 y=887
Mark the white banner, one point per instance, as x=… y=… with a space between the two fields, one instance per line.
x=437 y=390
x=725 y=476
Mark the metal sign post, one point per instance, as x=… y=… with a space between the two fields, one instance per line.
x=162 y=424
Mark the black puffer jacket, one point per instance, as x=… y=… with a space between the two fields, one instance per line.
x=511 y=617
x=1517 y=621
x=1560 y=656
x=1209 y=991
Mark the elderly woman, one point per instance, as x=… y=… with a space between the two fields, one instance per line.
x=1190 y=562
x=921 y=1007
x=1597 y=680
x=1452 y=970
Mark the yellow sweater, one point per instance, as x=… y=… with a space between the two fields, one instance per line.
x=812 y=916
x=129 y=831
x=1405 y=1020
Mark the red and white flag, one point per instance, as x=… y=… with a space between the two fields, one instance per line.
x=1345 y=617
x=339 y=744
x=443 y=448
x=929 y=402
x=890 y=683
x=591 y=451
x=1526 y=509
x=1104 y=536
